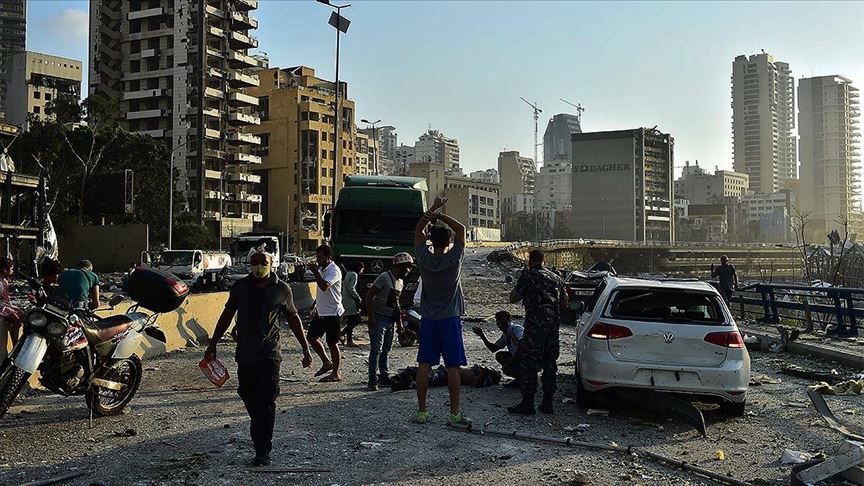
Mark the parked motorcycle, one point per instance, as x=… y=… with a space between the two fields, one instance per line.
x=79 y=353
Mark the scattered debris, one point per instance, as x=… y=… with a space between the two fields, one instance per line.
x=368 y=445
x=827 y=377
x=849 y=455
x=795 y=457
x=770 y=344
x=762 y=379
x=577 y=428
x=844 y=388
x=668 y=405
x=126 y=433
x=719 y=455
x=826 y=414
x=293 y=470
x=598 y=412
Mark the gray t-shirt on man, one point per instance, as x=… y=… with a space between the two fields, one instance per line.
x=386 y=301
x=442 y=284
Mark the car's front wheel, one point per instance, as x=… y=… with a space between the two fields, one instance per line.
x=735 y=409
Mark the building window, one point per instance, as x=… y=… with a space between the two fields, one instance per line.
x=323 y=153
x=47 y=96
x=134 y=66
x=264 y=107
x=323 y=136
x=37 y=95
x=36 y=110
x=262 y=150
x=304 y=115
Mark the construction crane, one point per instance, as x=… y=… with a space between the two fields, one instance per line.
x=537 y=112
x=578 y=107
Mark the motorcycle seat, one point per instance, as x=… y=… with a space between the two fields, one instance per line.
x=104 y=329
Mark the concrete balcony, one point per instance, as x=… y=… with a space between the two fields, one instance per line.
x=160 y=133
x=241 y=80
x=241 y=158
x=242 y=119
x=213 y=11
x=238 y=60
x=242 y=21
x=214 y=154
x=241 y=41
x=246 y=5
x=211 y=112
x=141 y=114
x=243 y=196
x=216 y=32
x=145 y=93
x=215 y=73
x=212 y=133
x=143 y=14
x=211 y=215
x=241 y=99
x=243 y=177
x=237 y=138
x=214 y=93
x=214 y=53
x=212 y=195
x=212 y=174
x=145 y=53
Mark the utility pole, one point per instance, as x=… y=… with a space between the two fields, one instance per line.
x=341 y=24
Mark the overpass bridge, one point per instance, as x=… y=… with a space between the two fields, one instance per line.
x=763 y=261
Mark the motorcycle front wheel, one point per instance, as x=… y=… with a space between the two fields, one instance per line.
x=12 y=380
x=127 y=372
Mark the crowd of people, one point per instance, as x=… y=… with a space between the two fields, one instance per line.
x=261 y=300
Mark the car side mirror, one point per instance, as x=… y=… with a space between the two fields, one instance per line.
x=577 y=306
x=116 y=300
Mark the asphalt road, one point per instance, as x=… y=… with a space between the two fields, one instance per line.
x=181 y=430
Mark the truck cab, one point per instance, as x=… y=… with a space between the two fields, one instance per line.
x=195 y=267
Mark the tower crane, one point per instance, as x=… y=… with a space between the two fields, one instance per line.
x=578 y=107
x=537 y=112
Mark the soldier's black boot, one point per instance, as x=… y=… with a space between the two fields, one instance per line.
x=546 y=404
x=525 y=407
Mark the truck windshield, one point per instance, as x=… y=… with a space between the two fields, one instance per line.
x=175 y=258
x=376 y=225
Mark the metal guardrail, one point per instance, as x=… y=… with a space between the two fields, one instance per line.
x=641 y=244
x=836 y=310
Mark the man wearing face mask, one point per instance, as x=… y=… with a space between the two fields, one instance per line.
x=258 y=300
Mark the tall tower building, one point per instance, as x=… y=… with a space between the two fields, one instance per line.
x=434 y=147
x=828 y=125
x=13 y=37
x=557 y=145
x=177 y=68
x=763 y=119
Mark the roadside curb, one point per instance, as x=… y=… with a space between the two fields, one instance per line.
x=853 y=360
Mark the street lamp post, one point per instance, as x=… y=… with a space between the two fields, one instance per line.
x=374 y=141
x=341 y=24
x=171 y=191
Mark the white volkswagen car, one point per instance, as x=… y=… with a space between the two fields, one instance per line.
x=676 y=337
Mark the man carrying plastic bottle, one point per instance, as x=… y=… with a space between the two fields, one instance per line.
x=442 y=306
x=258 y=300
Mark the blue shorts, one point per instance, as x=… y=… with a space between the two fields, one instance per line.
x=441 y=337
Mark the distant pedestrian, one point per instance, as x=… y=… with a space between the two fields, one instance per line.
x=327 y=321
x=351 y=301
x=542 y=293
x=259 y=300
x=81 y=286
x=384 y=313
x=441 y=308
x=10 y=316
x=506 y=348
x=728 y=278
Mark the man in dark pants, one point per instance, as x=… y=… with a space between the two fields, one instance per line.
x=728 y=277
x=258 y=300
x=542 y=293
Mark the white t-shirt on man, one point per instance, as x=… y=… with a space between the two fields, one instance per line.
x=329 y=302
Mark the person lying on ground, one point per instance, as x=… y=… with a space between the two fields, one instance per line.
x=511 y=337
x=477 y=376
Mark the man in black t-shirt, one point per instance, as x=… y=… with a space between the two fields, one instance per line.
x=728 y=277
x=259 y=300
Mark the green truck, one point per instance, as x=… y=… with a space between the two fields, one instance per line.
x=373 y=220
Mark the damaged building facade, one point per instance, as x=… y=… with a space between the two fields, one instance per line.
x=177 y=69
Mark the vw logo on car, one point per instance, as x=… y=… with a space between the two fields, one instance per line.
x=668 y=337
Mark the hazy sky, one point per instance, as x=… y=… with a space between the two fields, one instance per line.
x=461 y=66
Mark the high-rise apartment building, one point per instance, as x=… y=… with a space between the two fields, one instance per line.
x=13 y=39
x=701 y=187
x=387 y=140
x=35 y=80
x=517 y=173
x=177 y=69
x=763 y=119
x=623 y=185
x=364 y=150
x=828 y=126
x=297 y=135
x=434 y=147
x=556 y=139
x=554 y=186
x=488 y=175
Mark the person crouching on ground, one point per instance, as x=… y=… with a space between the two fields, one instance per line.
x=328 y=317
x=258 y=300
x=384 y=312
x=442 y=306
x=511 y=336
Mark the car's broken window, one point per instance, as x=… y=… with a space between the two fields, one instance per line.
x=666 y=305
